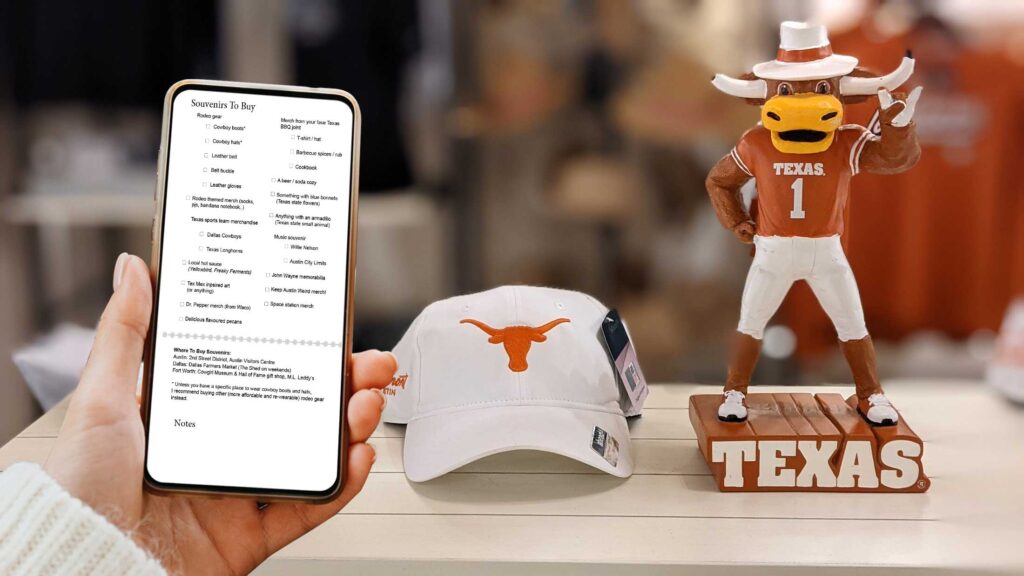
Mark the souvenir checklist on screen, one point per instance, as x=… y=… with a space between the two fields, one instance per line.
x=248 y=356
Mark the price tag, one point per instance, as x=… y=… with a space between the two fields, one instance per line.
x=627 y=366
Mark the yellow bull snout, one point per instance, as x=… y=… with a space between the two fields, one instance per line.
x=802 y=123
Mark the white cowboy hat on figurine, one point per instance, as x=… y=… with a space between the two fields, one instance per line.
x=804 y=54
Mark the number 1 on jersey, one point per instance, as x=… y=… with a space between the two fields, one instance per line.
x=797 y=213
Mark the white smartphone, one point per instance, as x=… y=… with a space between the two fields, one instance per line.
x=254 y=241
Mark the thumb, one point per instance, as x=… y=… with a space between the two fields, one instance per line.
x=913 y=97
x=112 y=371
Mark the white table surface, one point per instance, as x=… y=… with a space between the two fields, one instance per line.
x=536 y=513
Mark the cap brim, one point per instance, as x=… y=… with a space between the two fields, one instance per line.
x=828 y=67
x=438 y=444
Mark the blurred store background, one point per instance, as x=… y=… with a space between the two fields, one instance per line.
x=553 y=142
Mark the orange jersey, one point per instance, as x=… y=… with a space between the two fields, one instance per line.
x=801 y=194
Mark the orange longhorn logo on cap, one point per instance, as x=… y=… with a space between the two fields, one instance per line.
x=517 y=339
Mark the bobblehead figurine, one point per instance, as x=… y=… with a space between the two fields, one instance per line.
x=802 y=157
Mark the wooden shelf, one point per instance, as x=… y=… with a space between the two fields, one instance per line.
x=537 y=513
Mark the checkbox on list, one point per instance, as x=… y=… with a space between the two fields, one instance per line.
x=266 y=303
x=182 y=282
x=206 y=155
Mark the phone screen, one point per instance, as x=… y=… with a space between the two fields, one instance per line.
x=248 y=357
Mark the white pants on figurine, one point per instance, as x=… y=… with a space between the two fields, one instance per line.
x=781 y=260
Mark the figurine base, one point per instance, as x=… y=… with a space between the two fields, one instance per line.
x=803 y=443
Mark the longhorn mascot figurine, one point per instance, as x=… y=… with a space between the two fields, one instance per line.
x=802 y=157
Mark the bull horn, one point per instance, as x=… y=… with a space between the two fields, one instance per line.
x=550 y=325
x=490 y=331
x=741 y=88
x=853 y=86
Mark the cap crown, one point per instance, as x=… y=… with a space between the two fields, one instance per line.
x=506 y=346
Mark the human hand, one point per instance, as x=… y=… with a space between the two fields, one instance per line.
x=745 y=231
x=898 y=116
x=99 y=454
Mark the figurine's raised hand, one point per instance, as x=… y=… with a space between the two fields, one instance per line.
x=897 y=116
x=745 y=232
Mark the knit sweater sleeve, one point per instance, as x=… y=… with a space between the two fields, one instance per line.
x=44 y=530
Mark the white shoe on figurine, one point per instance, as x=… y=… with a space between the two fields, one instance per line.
x=1006 y=372
x=733 y=407
x=879 y=411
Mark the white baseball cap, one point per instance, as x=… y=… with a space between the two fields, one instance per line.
x=512 y=368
